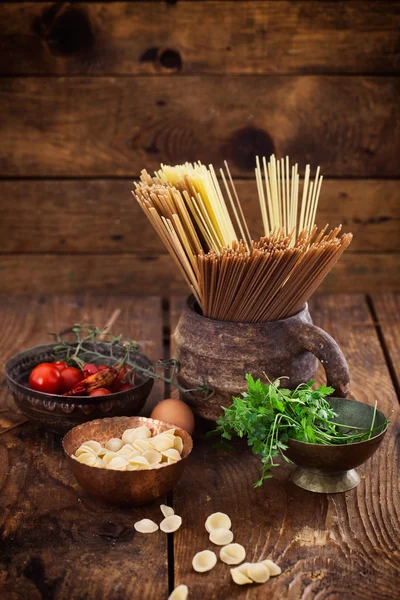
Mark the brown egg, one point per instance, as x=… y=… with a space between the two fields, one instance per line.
x=175 y=412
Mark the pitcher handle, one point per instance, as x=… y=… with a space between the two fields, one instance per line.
x=326 y=349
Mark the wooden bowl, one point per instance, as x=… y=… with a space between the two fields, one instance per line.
x=124 y=488
x=331 y=469
x=61 y=413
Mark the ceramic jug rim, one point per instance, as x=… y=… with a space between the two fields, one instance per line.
x=191 y=304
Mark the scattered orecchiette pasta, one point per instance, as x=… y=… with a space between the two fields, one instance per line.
x=136 y=451
x=180 y=593
x=167 y=511
x=204 y=561
x=146 y=526
x=239 y=575
x=257 y=572
x=221 y=536
x=218 y=520
x=232 y=554
x=254 y=572
x=171 y=524
x=272 y=567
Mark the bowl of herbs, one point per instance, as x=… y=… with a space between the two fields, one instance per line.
x=326 y=437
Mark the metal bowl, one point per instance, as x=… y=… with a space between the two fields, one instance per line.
x=124 y=488
x=61 y=413
x=331 y=469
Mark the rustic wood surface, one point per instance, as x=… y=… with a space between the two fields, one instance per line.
x=59 y=544
x=135 y=38
x=102 y=215
x=98 y=126
x=386 y=312
x=141 y=275
x=328 y=546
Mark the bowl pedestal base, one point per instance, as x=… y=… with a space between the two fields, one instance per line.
x=323 y=483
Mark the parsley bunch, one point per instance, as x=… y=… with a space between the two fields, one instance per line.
x=268 y=416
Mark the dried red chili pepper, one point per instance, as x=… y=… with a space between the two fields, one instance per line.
x=93 y=382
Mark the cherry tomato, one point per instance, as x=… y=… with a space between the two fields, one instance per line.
x=60 y=365
x=119 y=380
x=90 y=369
x=125 y=386
x=102 y=367
x=122 y=376
x=100 y=392
x=45 y=378
x=69 y=378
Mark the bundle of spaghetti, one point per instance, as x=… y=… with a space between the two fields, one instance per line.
x=314 y=266
x=278 y=190
x=272 y=280
x=232 y=277
x=197 y=189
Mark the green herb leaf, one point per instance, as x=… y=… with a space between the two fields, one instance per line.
x=268 y=416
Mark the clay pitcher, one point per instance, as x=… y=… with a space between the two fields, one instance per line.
x=223 y=352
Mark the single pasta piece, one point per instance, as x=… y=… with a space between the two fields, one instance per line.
x=162 y=443
x=87 y=458
x=218 y=520
x=127 y=450
x=140 y=462
x=171 y=454
x=95 y=446
x=232 y=554
x=204 y=561
x=138 y=433
x=84 y=448
x=109 y=456
x=221 y=536
x=167 y=511
x=142 y=445
x=180 y=593
x=273 y=569
x=118 y=463
x=257 y=572
x=146 y=526
x=178 y=444
x=171 y=524
x=239 y=576
x=114 y=444
x=152 y=456
x=168 y=432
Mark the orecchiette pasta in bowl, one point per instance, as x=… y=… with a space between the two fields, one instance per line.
x=127 y=461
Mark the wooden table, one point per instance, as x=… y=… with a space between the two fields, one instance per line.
x=58 y=543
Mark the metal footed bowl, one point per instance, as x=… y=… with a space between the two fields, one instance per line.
x=331 y=469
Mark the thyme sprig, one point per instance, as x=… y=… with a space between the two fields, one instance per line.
x=78 y=352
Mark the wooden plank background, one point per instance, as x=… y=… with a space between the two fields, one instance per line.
x=91 y=93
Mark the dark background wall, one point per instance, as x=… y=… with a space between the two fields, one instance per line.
x=91 y=93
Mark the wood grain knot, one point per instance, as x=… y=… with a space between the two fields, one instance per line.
x=65 y=31
x=247 y=143
x=164 y=58
x=171 y=60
